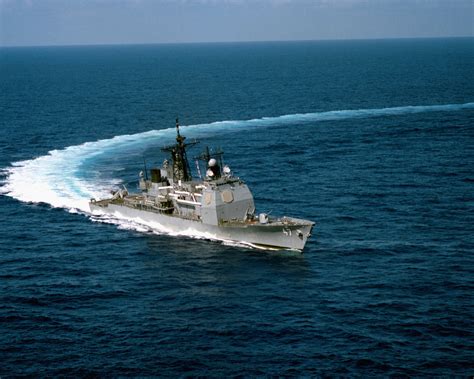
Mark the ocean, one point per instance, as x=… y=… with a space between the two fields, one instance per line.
x=372 y=140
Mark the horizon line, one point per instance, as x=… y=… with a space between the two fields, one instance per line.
x=236 y=42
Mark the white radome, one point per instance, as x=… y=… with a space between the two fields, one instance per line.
x=212 y=162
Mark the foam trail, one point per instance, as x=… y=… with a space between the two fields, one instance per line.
x=341 y=115
x=55 y=178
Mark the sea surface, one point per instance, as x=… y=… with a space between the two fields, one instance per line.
x=372 y=140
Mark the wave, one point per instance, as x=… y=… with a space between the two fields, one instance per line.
x=56 y=179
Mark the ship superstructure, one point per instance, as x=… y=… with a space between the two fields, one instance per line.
x=217 y=203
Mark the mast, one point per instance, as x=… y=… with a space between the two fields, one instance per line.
x=181 y=169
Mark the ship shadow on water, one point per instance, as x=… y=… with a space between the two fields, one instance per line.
x=217 y=253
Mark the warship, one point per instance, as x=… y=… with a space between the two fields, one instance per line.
x=216 y=204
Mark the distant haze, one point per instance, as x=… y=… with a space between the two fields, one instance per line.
x=55 y=22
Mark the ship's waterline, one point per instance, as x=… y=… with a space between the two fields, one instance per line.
x=291 y=237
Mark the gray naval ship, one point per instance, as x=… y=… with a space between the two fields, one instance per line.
x=218 y=204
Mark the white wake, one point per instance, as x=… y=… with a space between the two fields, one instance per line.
x=53 y=178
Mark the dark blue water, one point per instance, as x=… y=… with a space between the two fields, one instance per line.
x=376 y=145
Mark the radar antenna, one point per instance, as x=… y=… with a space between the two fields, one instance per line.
x=208 y=156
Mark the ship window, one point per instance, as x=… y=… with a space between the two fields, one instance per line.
x=227 y=196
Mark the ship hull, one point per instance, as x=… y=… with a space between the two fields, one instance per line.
x=292 y=235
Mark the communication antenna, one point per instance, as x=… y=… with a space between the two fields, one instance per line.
x=144 y=165
x=198 y=169
x=177 y=126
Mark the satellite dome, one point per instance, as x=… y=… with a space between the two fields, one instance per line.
x=226 y=169
x=209 y=173
x=212 y=162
